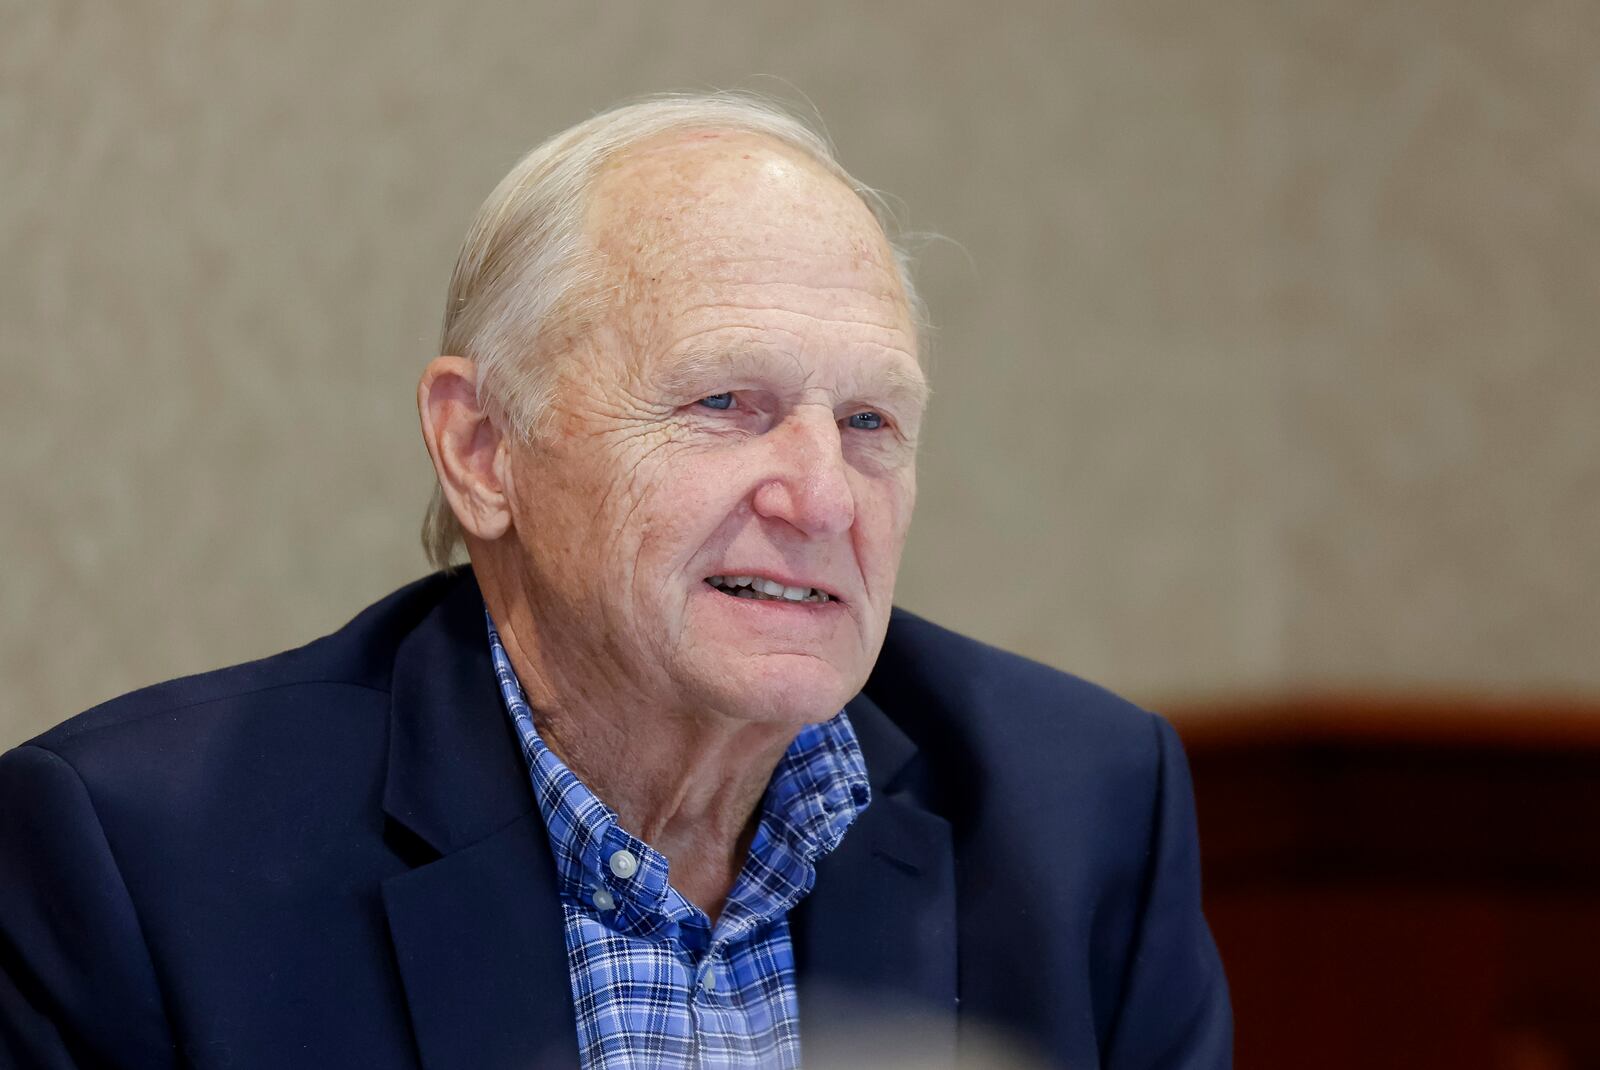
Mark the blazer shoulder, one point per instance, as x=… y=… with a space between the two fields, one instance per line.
x=1025 y=721
x=950 y=669
x=359 y=655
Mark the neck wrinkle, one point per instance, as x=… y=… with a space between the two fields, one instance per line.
x=688 y=784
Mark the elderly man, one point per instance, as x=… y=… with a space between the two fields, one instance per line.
x=592 y=801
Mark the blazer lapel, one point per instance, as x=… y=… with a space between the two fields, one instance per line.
x=477 y=927
x=482 y=952
x=875 y=941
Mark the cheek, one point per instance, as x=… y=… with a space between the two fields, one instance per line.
x=883 y=518
x=680 y=504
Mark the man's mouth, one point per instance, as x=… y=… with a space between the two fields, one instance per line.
x=764 y=590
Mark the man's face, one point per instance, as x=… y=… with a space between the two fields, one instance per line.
x=750 y=413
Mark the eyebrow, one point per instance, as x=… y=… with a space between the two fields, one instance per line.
x=696 y=364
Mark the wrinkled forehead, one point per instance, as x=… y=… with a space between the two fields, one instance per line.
x=686 y=214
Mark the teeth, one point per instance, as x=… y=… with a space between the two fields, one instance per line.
x=766 y=590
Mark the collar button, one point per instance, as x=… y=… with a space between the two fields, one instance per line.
x=624 y=864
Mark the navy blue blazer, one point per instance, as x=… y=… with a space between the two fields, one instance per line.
x=332 y=858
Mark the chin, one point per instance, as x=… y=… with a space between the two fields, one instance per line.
x=785 y=688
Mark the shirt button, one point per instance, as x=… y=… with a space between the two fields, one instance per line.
x=603 y=899
x=624 y=864
x=708 y=979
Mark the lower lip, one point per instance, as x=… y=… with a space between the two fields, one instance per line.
x=775 y=603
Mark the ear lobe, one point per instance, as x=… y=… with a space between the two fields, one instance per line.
x=465 y=445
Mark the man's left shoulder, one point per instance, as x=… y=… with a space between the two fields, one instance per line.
x=1081 y=801
x=1010 y=712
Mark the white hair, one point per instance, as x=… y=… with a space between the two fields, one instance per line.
x=528 y=275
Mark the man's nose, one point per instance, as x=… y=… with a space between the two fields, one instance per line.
x=808 y=487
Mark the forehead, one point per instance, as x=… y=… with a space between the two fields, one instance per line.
x=700 y=222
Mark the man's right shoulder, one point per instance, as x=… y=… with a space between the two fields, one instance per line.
x=358 y=656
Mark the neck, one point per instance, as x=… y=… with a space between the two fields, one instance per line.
x=687 y=782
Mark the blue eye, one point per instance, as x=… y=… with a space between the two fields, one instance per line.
x=718 y=401
x=866 y=421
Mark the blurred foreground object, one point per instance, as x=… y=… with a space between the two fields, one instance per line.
x=1404 y=881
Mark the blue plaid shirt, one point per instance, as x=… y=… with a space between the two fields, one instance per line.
x=654 y=983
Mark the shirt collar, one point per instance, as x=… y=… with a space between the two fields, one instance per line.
x=817 y=790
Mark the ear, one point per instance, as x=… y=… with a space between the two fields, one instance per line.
x=465 y=446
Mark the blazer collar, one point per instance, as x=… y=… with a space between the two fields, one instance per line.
x=455 y=774
x=477 y=929
x=875 y=941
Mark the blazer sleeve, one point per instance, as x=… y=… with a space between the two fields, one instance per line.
x=77 y=986
x=1174 y=1013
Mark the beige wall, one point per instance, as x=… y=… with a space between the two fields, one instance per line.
x=1267 y=357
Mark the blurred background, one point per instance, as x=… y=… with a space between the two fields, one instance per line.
x=1266 y=373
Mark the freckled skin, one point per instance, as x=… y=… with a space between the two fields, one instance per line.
x=740 y=268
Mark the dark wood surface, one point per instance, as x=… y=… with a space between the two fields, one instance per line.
x=1404 y=881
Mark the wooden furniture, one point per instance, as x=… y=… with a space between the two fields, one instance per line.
x=1404 y=882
